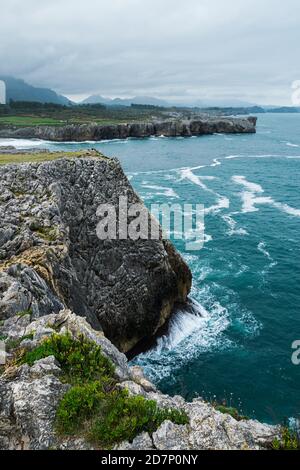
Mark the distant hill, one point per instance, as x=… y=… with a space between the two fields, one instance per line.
x=284 y=109
x=147 y=100
x=19 y=90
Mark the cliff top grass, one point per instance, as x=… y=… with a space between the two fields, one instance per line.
x=27 y=157
x=32 y=121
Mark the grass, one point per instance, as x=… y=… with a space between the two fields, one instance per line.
x=49 y=234
x=24 y=313
x=290 y=440
x=6 y=159
x=33 y=121
x=29 y=121
x=231 y=411
x=94 y=407
x=13 y=344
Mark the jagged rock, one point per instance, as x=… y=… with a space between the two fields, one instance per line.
x=29 y=397
x=171 y=436
x=141 y=442
x=21 y=289
x=138 y=376
x=28 y=406
x=76 y=326
x=96 y=132
x=52 y=257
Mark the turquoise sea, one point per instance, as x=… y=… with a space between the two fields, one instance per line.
x=236 y=345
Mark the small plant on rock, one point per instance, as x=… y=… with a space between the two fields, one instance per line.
x=95 y=406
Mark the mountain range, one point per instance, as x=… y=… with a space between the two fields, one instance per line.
x=19 y=90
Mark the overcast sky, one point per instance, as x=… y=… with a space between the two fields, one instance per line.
x=182 y=50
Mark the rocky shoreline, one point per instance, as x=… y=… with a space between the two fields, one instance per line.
x=57 y=278
x=96 y=132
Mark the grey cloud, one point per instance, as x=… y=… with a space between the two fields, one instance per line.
x=186 y=50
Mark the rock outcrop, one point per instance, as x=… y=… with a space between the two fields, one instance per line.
x=51 y=257
x=96 y=132
x=57 y=277
x=29 y=397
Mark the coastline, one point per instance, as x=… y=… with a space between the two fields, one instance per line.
x=94 y=132
x=37 y=303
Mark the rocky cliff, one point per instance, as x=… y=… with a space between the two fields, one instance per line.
x=64 y=294
x=30 y=396
x=96 y=132
x=51 y=257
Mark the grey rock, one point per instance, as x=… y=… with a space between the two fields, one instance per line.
x=28 y=407
x=54 y=259
x=141 y=442
x=169 y=128
x=171 y=436
x=21 y=289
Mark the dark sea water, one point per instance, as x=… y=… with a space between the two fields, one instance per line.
x=246 y=279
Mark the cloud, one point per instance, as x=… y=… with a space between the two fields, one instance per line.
x=184 y=50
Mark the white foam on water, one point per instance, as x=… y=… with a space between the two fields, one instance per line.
x=289 y=144
x=262 y=247
x=23 y=143
x=232 y=226
x=253 y=187
x=162 y=190
x=251 y=200
x=191 y=332
x=215 y=162
x=222 y=201
x=186 y=173
x=286 y=208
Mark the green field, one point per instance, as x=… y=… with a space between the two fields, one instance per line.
x=29 y=121
x=45 y=156
x=27 y=114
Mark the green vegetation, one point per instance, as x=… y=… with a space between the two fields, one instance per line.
x=81 y=360
x=231 y=411
x=47 y=233
x=38 y=114
x=24 y=313
x=290 y=440
x=123 y=417
x=12 y=344
x=95 y=407
x=43 y=156
x=24 y=121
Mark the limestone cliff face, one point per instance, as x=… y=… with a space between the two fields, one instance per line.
x=96 y=132
x=51 y=257
x=29 y=397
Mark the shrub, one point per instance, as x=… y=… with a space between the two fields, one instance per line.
x=24 y=313
x=81 y=360
x=231 y=411
x=94 y=406
x=78 y=404
x=289 y=440
x=123 y=417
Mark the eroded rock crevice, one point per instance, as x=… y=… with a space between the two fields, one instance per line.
x=51 y=256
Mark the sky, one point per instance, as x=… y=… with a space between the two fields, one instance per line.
x=182 y=51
